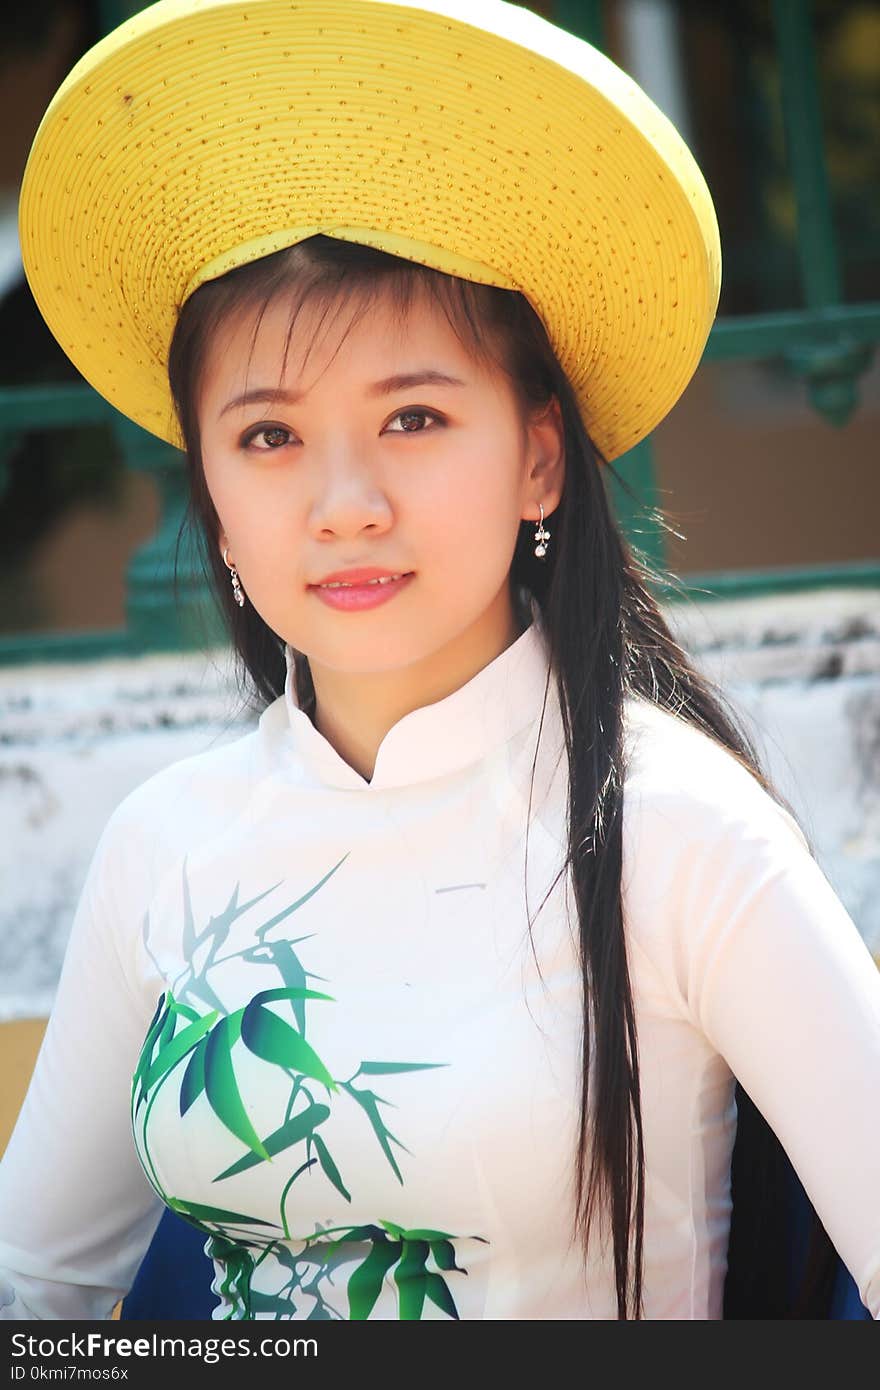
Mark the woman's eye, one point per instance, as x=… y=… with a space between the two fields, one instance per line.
x=415 y=413
x=274 y=437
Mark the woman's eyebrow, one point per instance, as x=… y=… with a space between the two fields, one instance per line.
x=401 y=381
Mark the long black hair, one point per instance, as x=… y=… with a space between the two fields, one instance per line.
x=607 y=638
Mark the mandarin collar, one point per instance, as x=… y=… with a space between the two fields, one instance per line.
x=436 y=739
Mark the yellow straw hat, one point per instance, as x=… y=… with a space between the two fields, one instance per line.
x=472 y=136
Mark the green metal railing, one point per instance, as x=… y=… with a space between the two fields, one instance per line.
x=828 y=344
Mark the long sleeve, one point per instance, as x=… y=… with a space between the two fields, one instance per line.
x=76 y=1210
x=760 y=956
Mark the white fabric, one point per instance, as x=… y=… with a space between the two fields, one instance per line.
x=270 y=861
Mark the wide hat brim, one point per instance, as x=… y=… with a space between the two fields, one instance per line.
x=476 y=138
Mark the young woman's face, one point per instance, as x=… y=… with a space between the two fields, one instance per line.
x=430 y=479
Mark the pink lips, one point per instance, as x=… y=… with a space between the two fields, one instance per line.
x=360 y=596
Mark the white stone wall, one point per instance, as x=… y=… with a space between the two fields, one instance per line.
x=75 y=738
x=802 y=670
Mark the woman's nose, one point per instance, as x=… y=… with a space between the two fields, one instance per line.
x=349 y=497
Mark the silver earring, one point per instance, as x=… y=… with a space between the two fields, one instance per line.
x=237 y=592
x=541 y=535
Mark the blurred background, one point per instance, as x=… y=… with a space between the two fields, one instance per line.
x=767 y=471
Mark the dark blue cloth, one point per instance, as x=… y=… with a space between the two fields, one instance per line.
x=846 y=1305
x=780 y=1260
x=174 y=1279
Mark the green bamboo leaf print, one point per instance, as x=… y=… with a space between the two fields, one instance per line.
x=221 y=1086
x=329 y=1166
x=282 y=1205
x=156 y=1020
x=310 y=893
x=294 y=1131
x=184 y=1010
x=311 y=1271
x=270 y=1038
x=238 y=1268
x=163 y=1000
x=177 y=1049
x=268 y=1305
x=351 y=1233
x=443 y=1252
x=417 y=1234
x=199 y=1212
x=272 y=1028
x=289 y=966
x=411 y=1279
x=189 y=940
x=146 y=1052
x=369 y=1103
x=396 y=1231
x=168 y=1022
x=162 y=1036
x=193 y=1082
x=208 y=942
x=266 y=996
x=365 y=1283
x=436 y=1289
x=390 y=1068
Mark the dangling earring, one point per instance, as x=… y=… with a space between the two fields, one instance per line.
x=237 y=592
x=541 y=535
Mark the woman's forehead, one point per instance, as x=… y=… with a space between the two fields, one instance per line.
x=337 y=333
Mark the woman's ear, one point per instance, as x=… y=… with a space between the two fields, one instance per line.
x=546 y=443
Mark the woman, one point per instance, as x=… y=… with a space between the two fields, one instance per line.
x=431 y=993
